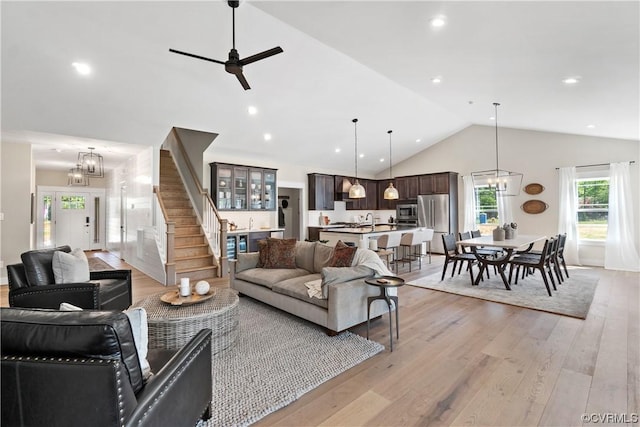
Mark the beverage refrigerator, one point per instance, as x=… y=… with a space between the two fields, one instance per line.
x=440 y=213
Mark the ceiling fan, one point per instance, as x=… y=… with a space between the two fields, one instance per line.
x=234 y=64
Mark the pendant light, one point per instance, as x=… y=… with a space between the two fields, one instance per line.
x=91 y=163
x=75 y=177
x=356 y=191
x=505 y=183
x=390 y=193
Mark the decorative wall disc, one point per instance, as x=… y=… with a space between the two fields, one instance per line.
x=534 y=188
x=534 y=206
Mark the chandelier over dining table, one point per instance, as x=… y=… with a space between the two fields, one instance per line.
x=504 y=182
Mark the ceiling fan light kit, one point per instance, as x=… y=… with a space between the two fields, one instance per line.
x=505 y=183
x=234 y=64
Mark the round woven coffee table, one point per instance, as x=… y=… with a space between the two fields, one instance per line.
x=173 y=326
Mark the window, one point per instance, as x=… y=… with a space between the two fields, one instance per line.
x=72 y=202
x=593 y=208
x=486 y=208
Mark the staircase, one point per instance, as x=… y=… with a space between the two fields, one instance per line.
x=193 y=258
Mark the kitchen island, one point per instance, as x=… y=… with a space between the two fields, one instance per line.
x=360 y=236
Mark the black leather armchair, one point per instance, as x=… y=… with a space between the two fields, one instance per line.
x=32 y=285
x=81 y=368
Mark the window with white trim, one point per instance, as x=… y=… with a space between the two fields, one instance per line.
x=592 y=208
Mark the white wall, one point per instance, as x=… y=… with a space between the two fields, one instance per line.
x=56 y=178
x=536 y=155
x=16 y=186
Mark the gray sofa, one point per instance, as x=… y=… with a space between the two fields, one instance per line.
x=342 y=301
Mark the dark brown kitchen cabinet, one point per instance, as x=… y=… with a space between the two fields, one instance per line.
x=407 y=187
x=321 y=192
x=436 y=183
x=238 y=187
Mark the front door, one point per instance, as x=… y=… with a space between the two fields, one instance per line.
x=74 y=219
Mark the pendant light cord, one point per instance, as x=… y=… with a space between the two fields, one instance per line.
x=390 y=165
x=355 y=130
x=495 y=104
x=233 y=25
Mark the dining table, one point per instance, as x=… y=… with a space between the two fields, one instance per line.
x=520 y=243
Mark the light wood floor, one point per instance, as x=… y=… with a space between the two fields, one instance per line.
x=464 y=361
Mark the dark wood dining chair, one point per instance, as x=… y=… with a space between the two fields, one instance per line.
x=538 y=262
x=453 y=255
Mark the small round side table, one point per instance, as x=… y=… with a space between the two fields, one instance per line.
x=385 y=283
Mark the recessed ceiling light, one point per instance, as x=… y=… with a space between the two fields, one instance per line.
x=418 y=140
x=361 y=155
x=571 y=80
x=252 y=110
x=492 y=118
x=337 y=150
x=82 y=68
x=591 y=126
x=436 y=80
x=267 y=137
x=438 y=21
x=381 y=159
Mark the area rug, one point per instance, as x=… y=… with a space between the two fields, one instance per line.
x=276 y=359
x=573 y=297
x=96 y=264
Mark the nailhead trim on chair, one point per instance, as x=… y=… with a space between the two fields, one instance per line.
x=50 y=291
x=173 y=380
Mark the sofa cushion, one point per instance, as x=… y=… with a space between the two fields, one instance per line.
x=295 y=288
x=342 y=255
x=246 y=261
x=305 y=252
x=331 y=275
x=70 y=267
x=37 y=265
x=269 y=276
x=322 y=256
x=282 y=253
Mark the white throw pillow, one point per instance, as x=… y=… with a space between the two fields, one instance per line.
x=70 y=267
x=140 y=329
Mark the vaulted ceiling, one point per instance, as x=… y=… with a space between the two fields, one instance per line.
x=371 y=60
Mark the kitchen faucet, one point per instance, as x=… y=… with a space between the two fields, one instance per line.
x=373 y=221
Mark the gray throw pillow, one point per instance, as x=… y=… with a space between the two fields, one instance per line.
x=70 y=267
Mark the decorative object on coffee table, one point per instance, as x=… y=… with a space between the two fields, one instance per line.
x=384 y=283
x=172 y=327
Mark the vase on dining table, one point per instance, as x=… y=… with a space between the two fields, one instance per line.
x=498 y=233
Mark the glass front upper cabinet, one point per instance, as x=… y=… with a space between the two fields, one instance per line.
x=240 y=187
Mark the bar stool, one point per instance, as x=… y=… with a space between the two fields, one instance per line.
x=408 y=243
x=390 y=242
x=426 y=235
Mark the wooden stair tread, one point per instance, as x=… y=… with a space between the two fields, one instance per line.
x=196 y=245
x=186 y=270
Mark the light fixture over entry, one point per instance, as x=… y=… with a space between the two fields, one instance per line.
x=75 y=177
x=505 y=183
x=390 y=193
x=356 y=191
x=91 y=163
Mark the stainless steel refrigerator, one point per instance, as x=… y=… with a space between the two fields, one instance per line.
x=440 y=213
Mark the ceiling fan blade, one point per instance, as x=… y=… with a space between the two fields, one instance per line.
x=242 y=80
x=196 y=56
x=261 y=55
